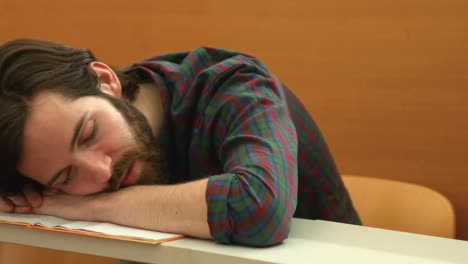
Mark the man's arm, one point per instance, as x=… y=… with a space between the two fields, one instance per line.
x=253 y=201
x=177 y=208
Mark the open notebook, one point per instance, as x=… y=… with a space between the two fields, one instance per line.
x=98 y=229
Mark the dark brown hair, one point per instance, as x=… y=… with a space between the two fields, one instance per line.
x=28 y=67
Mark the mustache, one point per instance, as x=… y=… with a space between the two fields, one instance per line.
x=119 y=170
x=145 y=155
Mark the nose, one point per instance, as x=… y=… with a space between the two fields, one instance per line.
x=95 y=165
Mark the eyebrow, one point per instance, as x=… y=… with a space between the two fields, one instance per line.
x=76 y=132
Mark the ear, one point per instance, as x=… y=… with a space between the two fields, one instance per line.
x=109 y=83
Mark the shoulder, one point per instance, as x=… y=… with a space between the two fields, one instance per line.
x=199 y=60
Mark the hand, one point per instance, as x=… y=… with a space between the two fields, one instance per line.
x=22 y=202
x=70 y=207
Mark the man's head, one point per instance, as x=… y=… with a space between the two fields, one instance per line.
x=63 y=122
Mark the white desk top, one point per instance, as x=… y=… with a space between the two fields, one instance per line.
x=309 y=242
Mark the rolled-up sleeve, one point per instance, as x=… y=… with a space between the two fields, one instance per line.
x=253 y=201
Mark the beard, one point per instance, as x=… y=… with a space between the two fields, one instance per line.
x=154 y=168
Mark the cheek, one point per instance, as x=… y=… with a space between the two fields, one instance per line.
x=113 y=142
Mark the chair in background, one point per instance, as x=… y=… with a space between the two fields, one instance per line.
x=401 y=206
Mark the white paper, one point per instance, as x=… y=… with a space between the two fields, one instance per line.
x=96 y=227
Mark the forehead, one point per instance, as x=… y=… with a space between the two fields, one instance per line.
x=53 y=112
x=46 y=106
x=45 y=110
x=50 y=113
x=50 y=120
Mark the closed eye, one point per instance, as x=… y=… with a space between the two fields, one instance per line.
x=64 y=178
x=89 y=133
x=67 y=178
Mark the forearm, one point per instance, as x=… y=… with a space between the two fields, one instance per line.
x=170 y=208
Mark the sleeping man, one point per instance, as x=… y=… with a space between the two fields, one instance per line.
x=207 y=143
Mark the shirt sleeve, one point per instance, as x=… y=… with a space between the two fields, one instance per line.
x=253 y=202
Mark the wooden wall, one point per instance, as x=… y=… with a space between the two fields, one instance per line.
x=386 y=80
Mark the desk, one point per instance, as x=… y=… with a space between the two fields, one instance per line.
x=309 y=242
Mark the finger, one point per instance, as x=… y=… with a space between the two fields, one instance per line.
x=6 y=206
x=50 y=191
x=23 y=209
x=33 y=196
x=19 y=200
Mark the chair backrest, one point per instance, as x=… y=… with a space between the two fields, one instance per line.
x=401 y=206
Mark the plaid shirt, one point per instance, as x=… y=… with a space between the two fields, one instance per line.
x=227 y=117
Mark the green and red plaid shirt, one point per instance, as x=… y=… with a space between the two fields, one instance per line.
x=227 y=117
